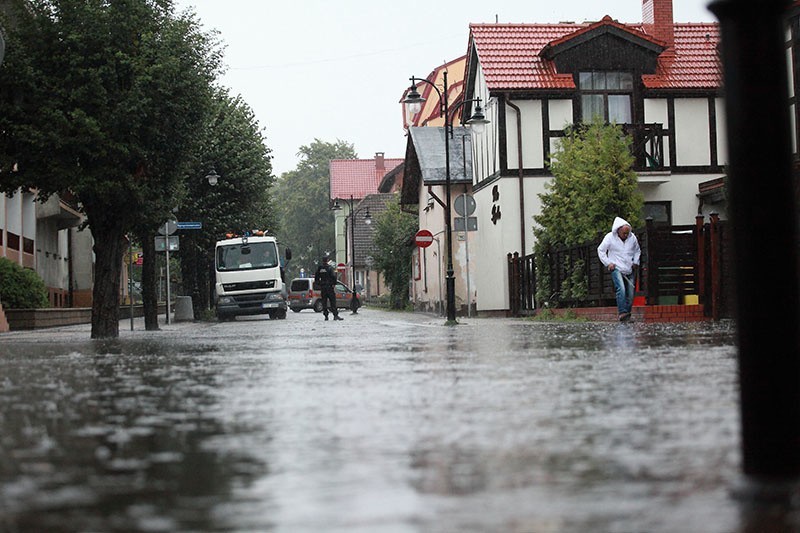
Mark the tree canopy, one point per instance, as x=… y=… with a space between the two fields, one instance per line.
x=105 y=99
x=393 y=246
x=303 y=200
x=233 y=145
x=593 y=182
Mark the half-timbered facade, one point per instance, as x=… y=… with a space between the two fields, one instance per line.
x=659 y=79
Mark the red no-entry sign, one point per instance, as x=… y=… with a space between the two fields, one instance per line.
x=423 y=238
x=340 y=267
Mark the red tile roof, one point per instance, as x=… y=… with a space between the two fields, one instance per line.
x=358 y=177
x=509 y=55
x=695 y=63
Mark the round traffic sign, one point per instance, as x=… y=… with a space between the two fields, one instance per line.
x=423 y=238
x=340 y=267
x=464 y=205
x=168 y=228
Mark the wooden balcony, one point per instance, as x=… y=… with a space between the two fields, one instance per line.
x=647 y=146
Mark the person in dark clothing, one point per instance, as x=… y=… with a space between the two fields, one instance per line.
x=325 y=279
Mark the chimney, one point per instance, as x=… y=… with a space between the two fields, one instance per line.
x=380 y=166
x=658 y=22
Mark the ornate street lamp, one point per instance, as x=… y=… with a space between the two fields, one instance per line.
x=212 y=177
x=352 y=257
x=413 y=102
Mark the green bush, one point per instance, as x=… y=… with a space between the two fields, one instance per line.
x=21 y=288
x=548 y=315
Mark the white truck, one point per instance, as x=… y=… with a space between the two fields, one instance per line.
x=249 y=277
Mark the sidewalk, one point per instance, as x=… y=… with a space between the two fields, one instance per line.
x=84 y=331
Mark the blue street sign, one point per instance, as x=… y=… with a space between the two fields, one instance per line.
x=190 y=225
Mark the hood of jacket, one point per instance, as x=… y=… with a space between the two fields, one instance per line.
x=618 y=223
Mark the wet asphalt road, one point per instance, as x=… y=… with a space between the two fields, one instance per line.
x=385 y=422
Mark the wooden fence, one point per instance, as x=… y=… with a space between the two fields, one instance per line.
x=679 y=264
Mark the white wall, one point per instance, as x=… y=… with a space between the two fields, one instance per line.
x=532 y=156
x=14 y=214
x=681 y=190
x=51 y=250
x=29 y=216
x=692 y=132
x=494 y=241
x=722 y=132
x=560 y=114
x=433 y=259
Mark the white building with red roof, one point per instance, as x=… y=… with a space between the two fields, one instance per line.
x=354 y=183
x=660 y=79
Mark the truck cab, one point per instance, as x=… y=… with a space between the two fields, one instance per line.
x=249 y=277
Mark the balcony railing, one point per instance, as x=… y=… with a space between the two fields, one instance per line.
x=647 y=146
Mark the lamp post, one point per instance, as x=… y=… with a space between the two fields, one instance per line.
x=413 y=102
x=212 y=177
x=352 y=258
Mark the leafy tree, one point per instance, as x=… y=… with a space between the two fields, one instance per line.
x=303 y=199
x=104 y=99
x=234 y=147
x=593 y=182
x=21 y=288
x=393 y=248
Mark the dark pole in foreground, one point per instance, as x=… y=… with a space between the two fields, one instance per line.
x=764 y=218
x=450 y=281
x=353 y=301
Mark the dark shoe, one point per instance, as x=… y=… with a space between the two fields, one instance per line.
x=326 y=317
x=337 y=317
x=624 y=317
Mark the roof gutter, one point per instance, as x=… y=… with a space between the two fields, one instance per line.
x=521 y=174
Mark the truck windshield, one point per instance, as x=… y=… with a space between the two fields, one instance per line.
x=247 y=256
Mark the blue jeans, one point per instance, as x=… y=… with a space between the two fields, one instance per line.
x=624 y=289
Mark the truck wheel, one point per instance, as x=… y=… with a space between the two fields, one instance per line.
x=318 y=306
x=281 y=315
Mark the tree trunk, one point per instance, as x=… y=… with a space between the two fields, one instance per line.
x=190 y=268
x=109 y=248
x=149 y=281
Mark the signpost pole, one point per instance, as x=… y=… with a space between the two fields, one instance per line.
x=130 y=277
x=466 y=214
x=166 y=251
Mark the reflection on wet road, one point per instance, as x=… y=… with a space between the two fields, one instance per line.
x=383 y=422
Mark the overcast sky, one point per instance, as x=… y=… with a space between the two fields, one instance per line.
x=336 y=69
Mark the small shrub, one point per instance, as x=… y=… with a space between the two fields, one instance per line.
x=548 y=315
x=21 y=288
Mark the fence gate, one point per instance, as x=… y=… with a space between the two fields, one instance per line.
x=521 y=284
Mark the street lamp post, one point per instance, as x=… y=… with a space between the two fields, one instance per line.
x=413 y=102
x=352 y=257
x=212 y=177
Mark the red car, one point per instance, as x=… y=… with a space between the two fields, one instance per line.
x=304 y=295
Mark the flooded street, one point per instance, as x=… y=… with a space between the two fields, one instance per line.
x=386 y=422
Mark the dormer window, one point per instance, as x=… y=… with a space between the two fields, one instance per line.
x=606 y=95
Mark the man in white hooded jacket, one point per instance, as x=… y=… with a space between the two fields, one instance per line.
x=620 y=253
